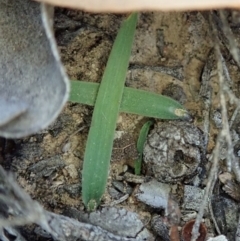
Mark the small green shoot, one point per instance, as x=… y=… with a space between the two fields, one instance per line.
x=101 y=134
x=140 y=144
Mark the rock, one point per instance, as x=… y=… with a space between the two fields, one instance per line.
x=225 y=212
x=192 y=199
x=160 y=228
x=118 y=221
x=154 y=194
x=173 y=151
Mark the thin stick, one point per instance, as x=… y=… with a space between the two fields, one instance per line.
x=225 y=125
x=206 y=94
x=237 y=235
x=224 y=133
x=212 y=174
x=120 y=200
x=210 y=207
x=230 y=37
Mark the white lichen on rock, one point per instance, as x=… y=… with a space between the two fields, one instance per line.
x=173 y=151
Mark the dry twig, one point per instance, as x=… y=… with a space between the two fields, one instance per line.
x=224 y=136
x=20 y=209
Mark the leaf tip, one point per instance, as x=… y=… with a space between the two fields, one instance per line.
x=183 y=114
x=92 y=205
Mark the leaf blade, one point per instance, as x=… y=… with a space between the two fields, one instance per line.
x=140 y=145
x=100 y=138
x=134 y=101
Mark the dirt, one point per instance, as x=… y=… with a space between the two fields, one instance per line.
x=48 y=165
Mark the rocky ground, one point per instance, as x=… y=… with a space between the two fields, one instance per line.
x=172 y=55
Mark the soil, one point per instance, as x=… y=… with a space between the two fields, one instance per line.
x=169 y=54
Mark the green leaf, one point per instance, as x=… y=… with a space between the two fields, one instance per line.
x=140 y=145
x=100 y=138
x=134 y=101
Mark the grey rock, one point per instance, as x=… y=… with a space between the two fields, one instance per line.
x=115 y=194
x=154 y=194
x=226 y=213
x=160 y=228
x=122 y=187
x=218 y=238
x=193 y=197
x=173 y=151
x=74 y=190
x=217 y=118
x=45 y=168
x=118 y=221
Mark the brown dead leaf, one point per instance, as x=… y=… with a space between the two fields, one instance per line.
x=119 y=6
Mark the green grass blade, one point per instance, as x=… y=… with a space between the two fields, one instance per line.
x=133 y=101
x=100 y=138
x=83 y=92
x=140 y=144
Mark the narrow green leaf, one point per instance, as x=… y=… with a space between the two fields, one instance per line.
x=140 y=145
x=134 y=101
x=100 y=138
x=83 y=92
